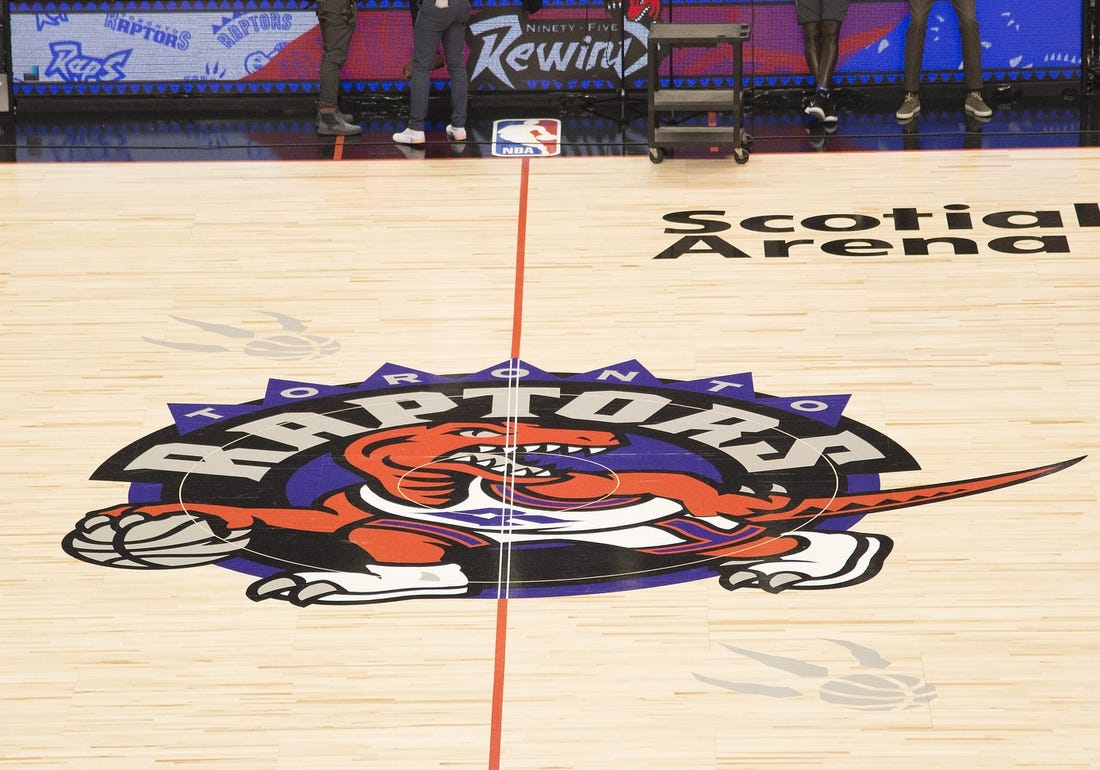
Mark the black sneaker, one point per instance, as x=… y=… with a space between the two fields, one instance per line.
x=334 y=124
x=815 y=108
x=830 y=118
x=816 y=136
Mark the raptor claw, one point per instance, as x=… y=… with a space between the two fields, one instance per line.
x=315 y=592
x=272 y=586
x=780 y=581
x=736 y=580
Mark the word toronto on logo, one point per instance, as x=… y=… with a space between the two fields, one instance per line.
x=970 y=232
x=411 y=484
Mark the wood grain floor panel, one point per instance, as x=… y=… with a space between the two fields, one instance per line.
x=130 y=287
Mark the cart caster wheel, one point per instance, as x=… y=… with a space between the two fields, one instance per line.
x=656 y=154
x=746 y=142
x=741 y=155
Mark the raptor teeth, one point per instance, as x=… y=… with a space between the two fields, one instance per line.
x=569 y=449
x=504 y=460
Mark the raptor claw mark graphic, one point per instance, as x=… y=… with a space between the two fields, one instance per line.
x=294 y=346
x=862 y=691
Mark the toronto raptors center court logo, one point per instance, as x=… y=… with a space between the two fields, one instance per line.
x=411 y=484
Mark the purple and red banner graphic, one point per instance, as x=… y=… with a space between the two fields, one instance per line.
x=271 y=46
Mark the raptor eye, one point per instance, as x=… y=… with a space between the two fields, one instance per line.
x=479 y=433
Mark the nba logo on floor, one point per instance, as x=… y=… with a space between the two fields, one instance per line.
x=533 y=137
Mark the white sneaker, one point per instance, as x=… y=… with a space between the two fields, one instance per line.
x=456 y=134
x=408 y=136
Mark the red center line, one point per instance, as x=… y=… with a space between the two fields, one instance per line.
x=521 y=243
x=495 y=729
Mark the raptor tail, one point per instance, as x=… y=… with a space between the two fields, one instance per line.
x=891 y=499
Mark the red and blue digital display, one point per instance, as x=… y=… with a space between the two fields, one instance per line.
x=273 y=46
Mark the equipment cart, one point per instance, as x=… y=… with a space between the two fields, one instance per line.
x=664 y=103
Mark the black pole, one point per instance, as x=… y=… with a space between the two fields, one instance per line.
x=1090 y=46
x=7 y=101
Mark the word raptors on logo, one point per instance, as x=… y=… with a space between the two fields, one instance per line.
x=415 y=485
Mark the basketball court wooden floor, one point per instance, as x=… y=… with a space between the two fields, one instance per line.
x=304 y=372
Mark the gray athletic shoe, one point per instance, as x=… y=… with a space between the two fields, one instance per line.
x=334 y=124
x=909 y=108
x=976 y=106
